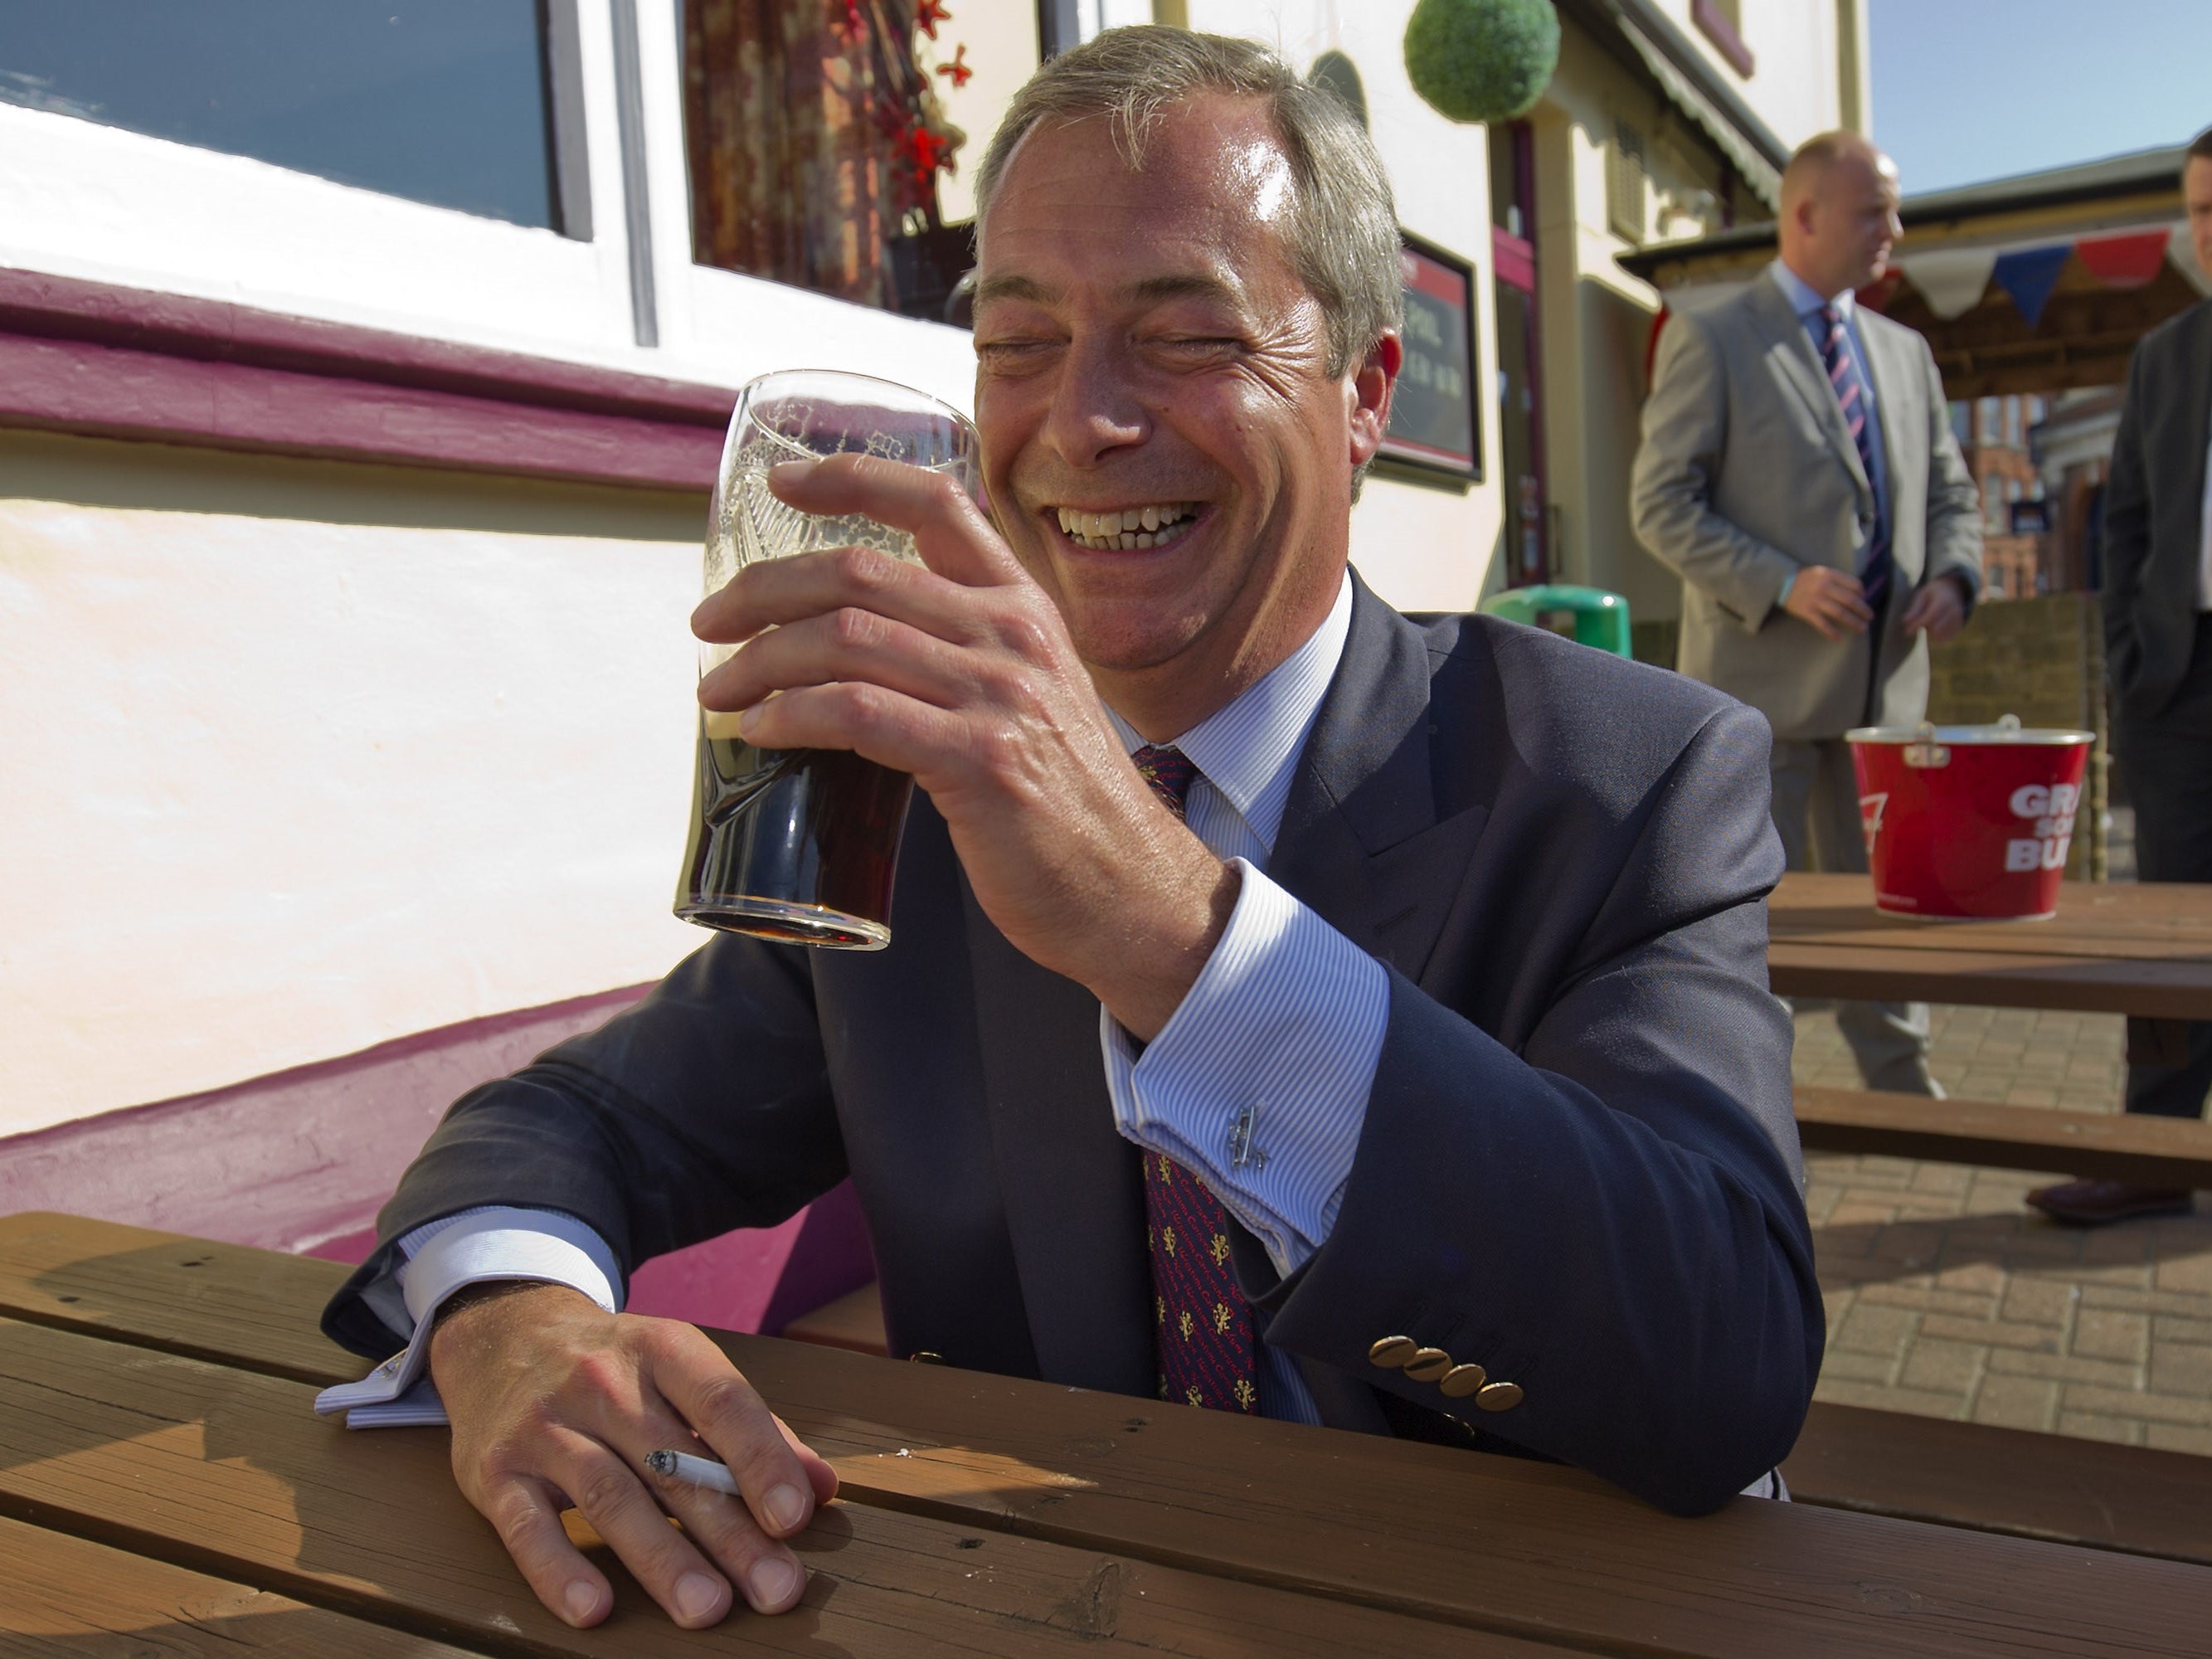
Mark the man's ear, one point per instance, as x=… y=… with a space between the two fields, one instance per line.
x=1371 y=387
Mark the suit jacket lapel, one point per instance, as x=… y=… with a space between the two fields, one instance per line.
x=1073 y=1194
x=2197 y=427
x=1789 y=349
x=1361 y=842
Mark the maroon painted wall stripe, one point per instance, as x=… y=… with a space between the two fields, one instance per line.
x=287 y=1160
x=91 y=358
x=76 y=385
x=302 y=1159
x=63 y=307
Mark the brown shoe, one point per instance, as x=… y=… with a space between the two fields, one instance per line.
x=2094 y=1203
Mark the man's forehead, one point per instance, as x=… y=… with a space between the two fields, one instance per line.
x=1214 y=155
x=1212 y=176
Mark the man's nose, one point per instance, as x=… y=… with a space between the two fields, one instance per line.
x=1095 y=406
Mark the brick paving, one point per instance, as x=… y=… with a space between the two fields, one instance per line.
x=1946 y=1296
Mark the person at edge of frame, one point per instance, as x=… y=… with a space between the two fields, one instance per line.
x=2157 y=603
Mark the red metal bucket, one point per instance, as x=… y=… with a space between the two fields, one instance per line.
x=1968 y=820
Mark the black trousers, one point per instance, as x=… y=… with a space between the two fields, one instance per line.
x=2165 y=763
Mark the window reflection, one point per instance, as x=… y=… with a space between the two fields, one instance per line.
x=443 y=101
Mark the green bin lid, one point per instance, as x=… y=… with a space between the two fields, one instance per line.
x=1552 y=596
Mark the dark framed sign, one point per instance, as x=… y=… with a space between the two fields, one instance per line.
x=1435 y=423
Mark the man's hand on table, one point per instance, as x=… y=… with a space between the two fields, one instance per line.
x=555 y=1402
x=963 y=673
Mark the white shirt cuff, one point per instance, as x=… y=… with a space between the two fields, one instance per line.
x=1259 y=1082
x=471 y=1247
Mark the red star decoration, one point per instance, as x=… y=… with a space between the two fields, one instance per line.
x=958 y=70
x=928 y=150
x=929 y=14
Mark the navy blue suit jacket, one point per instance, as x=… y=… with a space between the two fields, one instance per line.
x=1578 y=1170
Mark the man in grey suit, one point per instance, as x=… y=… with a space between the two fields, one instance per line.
x=1799 y=471
x=2158 y=653
x=1289 y=1009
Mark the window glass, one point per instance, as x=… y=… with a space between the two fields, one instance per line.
x=818 y=134
x=441 y=101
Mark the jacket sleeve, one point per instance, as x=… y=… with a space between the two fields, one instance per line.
x=1685 y=428
x=1611 y=1218
x=2127 y=539
x=1954 y=505
x=705 y=1107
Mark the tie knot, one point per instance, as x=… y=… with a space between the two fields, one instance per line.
x=1169 y=771
x=1831 y=321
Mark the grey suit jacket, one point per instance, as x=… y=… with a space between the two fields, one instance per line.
x=2153 y=513
x=1747 y=473
x=1578 y=1168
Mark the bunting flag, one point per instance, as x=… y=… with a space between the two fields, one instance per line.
x=2125 y=262
x=2028 y=275
x=1952 y=281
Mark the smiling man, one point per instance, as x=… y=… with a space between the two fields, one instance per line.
x=1290 y=1009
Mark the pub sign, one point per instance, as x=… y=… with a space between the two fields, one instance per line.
x=1433 y=424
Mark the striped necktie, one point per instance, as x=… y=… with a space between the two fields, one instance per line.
x=1853 y=393
x=1202 y=1322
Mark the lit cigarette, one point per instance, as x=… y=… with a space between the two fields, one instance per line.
x=694 y=1471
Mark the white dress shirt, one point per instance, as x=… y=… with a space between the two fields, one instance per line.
x=1285 y=1022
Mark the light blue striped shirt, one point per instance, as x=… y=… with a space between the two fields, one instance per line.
x=1286 y=1021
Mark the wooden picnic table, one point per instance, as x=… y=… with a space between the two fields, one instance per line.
x=164 y=1486
x=2113 y=948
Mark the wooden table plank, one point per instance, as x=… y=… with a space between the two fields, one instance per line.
x=226 y=1472
x=1526 y=1548
x=2156 y=920
x=226 y=1303
x=2120 y=948
x=1931 y=1468
x=62 y=1595
x=1990 y=979
x=2158 y=1151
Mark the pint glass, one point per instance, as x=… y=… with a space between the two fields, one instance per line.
x=801 y=844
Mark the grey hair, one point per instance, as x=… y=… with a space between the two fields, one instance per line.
x=1342 y=229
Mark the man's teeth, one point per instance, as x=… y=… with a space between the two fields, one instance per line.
x=1131 y=528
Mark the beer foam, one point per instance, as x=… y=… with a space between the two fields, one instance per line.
x=721 y=724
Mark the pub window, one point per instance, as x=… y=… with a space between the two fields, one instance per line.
x=466 y=103
x=823 y=144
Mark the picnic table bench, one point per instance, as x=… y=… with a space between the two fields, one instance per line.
x=2139 y=949
x=162 y=1481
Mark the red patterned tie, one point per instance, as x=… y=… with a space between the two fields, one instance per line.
x=1203 y=1325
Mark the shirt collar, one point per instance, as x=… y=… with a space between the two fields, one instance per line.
x=1802 y=298
x=1247 y=749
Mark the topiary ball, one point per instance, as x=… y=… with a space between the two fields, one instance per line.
x=1482 y=60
